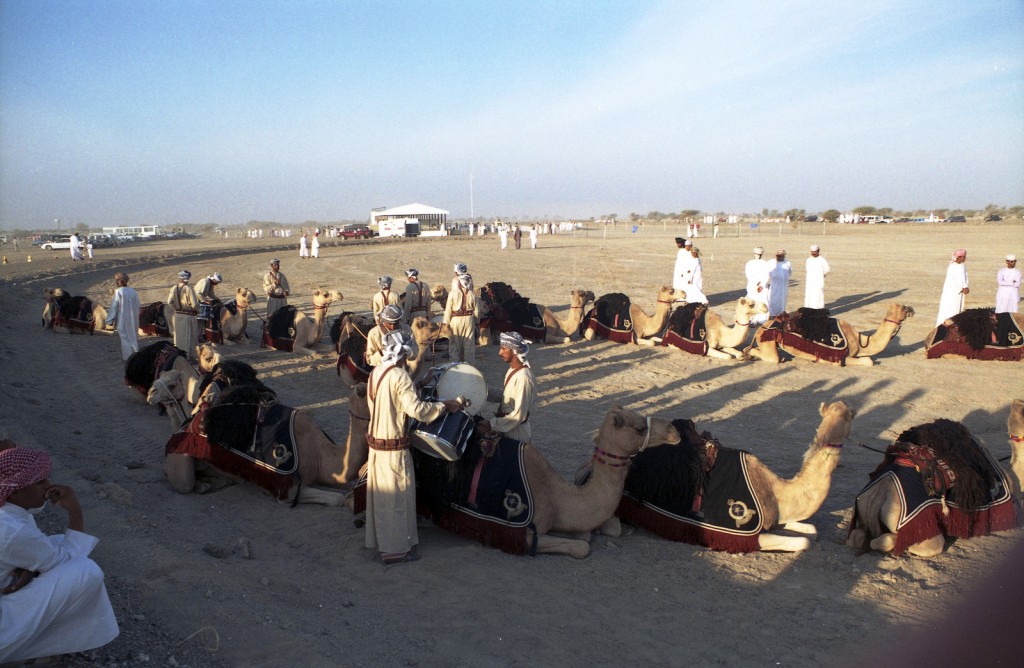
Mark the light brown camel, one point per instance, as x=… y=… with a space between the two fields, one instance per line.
x=309 y=331
x=1018 y=318
x=879 y=508
x=177 y=389
x=52 y=295
x=232 y=326
x=562 y=331
x=646 y=326
x=559 y=505
x=425 y=332
x=723 y=340
x=861 y=347
x=321 y=462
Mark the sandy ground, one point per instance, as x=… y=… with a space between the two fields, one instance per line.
x=310 y=594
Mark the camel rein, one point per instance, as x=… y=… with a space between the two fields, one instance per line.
x=621 y=461
x=1015 y=439
x=178 y=408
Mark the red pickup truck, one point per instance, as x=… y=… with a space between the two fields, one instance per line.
x=356 y=232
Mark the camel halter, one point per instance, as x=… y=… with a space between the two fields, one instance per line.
x=742 y=324
x=622 y=460
x=179 y=410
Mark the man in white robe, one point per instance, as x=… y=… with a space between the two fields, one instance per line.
x=758 y=282
x=460 y=269
x=314 y=246
x=124 y=310
x=76 y=248
x=814 y=282
x=461 y=314
x=52 y=597
x=1008 y=292
x=682 y=273
x=183 y=300
x=303 y=247
x=391 y=483
x=519 y=392
x=954 y=288
x=779 y=271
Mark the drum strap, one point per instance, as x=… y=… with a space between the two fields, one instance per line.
x=381 y=443
x=509 y=376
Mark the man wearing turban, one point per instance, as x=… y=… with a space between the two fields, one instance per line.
x=390 y=321
x=519 y=392
x=461 y=313
x=954 y=288
x=275 y=285
x=183 y=300
x=382 y=297
x=417 y=296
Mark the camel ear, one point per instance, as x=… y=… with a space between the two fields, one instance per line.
x=821 y=408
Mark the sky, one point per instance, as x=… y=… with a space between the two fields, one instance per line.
x=178 y=112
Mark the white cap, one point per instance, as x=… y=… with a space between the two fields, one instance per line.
x=1011 y=258
x=814 y=247
x=759 y=250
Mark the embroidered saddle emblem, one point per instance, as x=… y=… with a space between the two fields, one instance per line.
x=739 y=512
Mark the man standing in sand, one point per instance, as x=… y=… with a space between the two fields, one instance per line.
x=417 y=296
x=391 y=482
x=758 y=282
x=303 y=248
x=814 y=282
x=503 y=235
x=383 y=297
x=519 y=392
x=275 y=285
x=124 y=310
x=183 y=300
x=954 y=288
x=533 y=237
x=459 y=270
x=76 y=247
x=461 y=313
x=1008 y=293
x=686 y=264
x=517 y=236
x=314 y=246
x=779 y=271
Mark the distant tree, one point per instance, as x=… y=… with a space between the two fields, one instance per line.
x=794 y=213
x=831 y=215
x=1017 y=210
x=885 y=211
x=865 y=210
x=689 y=213
x=655 y=215
x=633 y=217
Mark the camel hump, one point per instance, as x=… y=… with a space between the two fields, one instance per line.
x=684 y=316
x=499 y=293
x=282 y=321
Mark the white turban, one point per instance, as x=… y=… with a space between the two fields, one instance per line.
x=466 y=281
x=515 y=342
x=184 y=275
x=461 y=268
x=215 y=276
x=412 y=273
x=397 y=345
x=384 y=281
x=391 y=313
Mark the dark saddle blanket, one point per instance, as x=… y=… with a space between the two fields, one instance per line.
x=687 y=329
x=74 y=313
x=279 y=331
x=144 y=366
x=269 y=459
x=610 y=318
x=810 y=331
x=352 y=351
x=152 y=320
x=979 y=334
x=507 y=311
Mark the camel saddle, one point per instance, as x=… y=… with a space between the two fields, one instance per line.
x=213 y=332
x=146 y=365
x=610 y=319
x=697 y=492
x=75 y=313
x=979 y=333
x=352 y=351
x=507 y=311
x=279 y=330
x=812 y=331
x=483 y=496
x=687 y=330
x=152 y=320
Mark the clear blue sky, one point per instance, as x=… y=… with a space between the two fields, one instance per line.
x=115 y=112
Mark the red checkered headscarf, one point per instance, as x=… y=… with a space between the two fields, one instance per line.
x=21 y=467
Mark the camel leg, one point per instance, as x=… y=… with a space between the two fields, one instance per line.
x=808 y=530
x=648 y=343
x=771 y=542
x=884 y=543
x=722 y=354
x=588 y=334
x=577 y=549
x=296 y=348
x=612 y=527
x=181 y=473
x=928 y=548
x=322 y=497
x=859 y=361
x=858 y=539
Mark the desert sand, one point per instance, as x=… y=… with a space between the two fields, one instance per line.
x=236 y=578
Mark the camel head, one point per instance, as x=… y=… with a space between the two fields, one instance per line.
x=898 y=313
x=53 y=293
x=748 y=308
x=358 y=407
x=323 y=298
x=625 y=433
x=1015 y=422
x=582 y=298
x=426 y=332
x=244 y=297
x=168 y=388
x=439 y=294
x=208 y=357
x=836 y=419
x=667 y=293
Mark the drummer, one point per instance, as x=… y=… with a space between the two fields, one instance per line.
x=391 y=483
x=207 y=297
x=390 y=321
x=515 y=400
x=383 y=297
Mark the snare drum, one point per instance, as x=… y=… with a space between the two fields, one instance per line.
x=204 y=312
x=459 y=379
x=446 y=437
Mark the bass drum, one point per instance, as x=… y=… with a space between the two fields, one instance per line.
x=446 y=437
x=458 y=379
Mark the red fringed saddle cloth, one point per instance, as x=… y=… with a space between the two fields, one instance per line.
x=824 y=339
x=927 y=494
x=75 y=313
x=610 y=319
x=686 y=329
x=726 y=517
x=279 y=331
x=1001 y=338
x=272 y=463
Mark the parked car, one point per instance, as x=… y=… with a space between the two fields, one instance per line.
x=811 y=219
x=993 y=218
x=61 y=242
x=356 y=232
x=957 y=219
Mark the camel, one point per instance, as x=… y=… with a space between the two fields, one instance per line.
x=559 y=505
x=320 y=460
x=643 y=326
x=55 y=297
x=561 y=331
x=782 y=504
x=307 y=331
x=878 y=509
x=723 y=341
x=859 y=347
x=970 y=335
x=424 y=331
x=233 y=325
x=139 y=372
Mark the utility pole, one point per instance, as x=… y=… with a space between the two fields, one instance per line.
x=471 y=214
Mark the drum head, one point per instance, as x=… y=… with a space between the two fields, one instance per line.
x=465 y=380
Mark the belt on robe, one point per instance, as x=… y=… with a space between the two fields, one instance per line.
x=388 y=443
x=455 y=313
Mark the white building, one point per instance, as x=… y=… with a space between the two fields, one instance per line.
x=432 y=222
x=133 y=231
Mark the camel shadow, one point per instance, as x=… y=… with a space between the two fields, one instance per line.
x=851 y=302
x=720 y=298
